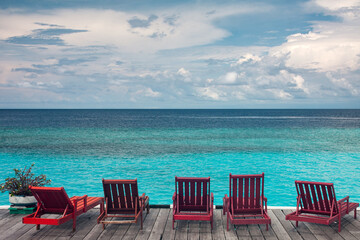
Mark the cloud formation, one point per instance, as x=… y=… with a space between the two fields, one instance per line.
x=177 y=57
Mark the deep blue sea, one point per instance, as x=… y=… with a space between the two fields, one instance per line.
x=77 y=148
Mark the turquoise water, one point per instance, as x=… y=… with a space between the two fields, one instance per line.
x=78 y=154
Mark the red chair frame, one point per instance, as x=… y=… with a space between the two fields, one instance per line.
x=123 y=201
x=246 y=203
x=318 y=198
x=192 y=200
x=54 y=200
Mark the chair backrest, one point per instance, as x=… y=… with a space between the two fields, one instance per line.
x=245 y=192
x=122 y=195
x=52 y=199
x=193 y=193
x=316 y=196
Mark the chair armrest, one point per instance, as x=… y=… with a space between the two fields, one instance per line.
x=347 y=205
x=212 y=202
x=84 y=198
x=174 y=198
x=225 y=199
x=343 y=200
x=265 y=200
x=142 y=196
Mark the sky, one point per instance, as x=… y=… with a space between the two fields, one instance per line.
x=180 y=54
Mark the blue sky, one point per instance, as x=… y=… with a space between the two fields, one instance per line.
x=180 y=54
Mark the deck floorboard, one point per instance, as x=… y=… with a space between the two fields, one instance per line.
x=158 y=225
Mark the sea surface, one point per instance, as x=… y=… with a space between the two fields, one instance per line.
x=77 y=148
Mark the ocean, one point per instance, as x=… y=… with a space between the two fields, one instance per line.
x=77 y=148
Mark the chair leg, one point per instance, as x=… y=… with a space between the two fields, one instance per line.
x=141 y=216
x=37 y=226
x=227 y=221
x=147 y=209
x=355 y=213
x=211 y=223
x=339 y=228
x=267 y=227
x=173 y=222
x=74 y=224
x=103 y=226
x=297 y=223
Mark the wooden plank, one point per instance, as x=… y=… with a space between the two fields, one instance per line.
x=181 y=230
x=16 y=231
x=134 y=228
x=169 y=232
x=120 y=231
x=218 y=230
x=242 y=232
x=85 y=222
x=277 y=226
x=193 y=231
x=95 y=232
x=44 y=229
x=228 y=234
x=268 y=234
x=160 y=223
x=255 y=231
x=355 y=231
x=85 y=228
x=302 y=229
x=331 y=233
x=10 y=220
x=289 y=228
x=344 y=232
x=109 y=231
x=205 y=230
x=148 y=224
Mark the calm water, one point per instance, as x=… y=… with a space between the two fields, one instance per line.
x=77 y=148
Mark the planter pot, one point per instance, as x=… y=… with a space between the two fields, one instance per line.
x=22 y=200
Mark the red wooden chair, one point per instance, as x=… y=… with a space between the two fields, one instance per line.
x=123 y=201
x=246 y=203
x=314 y=199
x=54 y=200
x=192 y=200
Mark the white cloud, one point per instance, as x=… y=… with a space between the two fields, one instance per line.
x=193 y=27
x=248 y=58
x=210 y=93
x=330 y=46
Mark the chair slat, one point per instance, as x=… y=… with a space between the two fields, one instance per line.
x=107 y=194
x=326 y=199
x=331 y=196
x=302 y=195
x=122 y=196
x=128 y=196
x=192 y=192
x=234 y=193
x=181 y=193
x=115 y=196
x=321 y=203
x=187 y=201
x=246 y=193
x=204 y=196
x=252 y=191
x=198 y=193
x=258 y=182
x=316 y=202
x=308 y=196
x=134 y=194
x=240 y=197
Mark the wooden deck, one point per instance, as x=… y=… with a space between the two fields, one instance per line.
x=157 y=225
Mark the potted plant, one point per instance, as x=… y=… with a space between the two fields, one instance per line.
x=18 y=186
